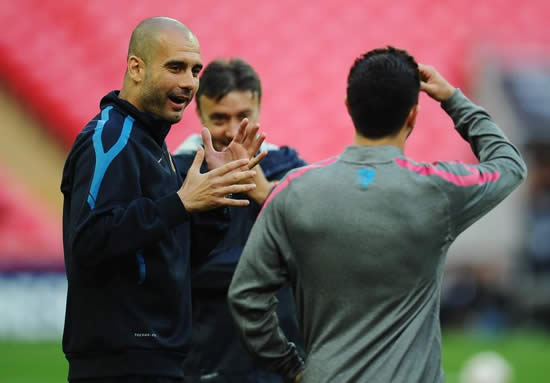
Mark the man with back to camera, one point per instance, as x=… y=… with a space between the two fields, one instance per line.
x=128 y=220
x=229 y=92
x=362 y=237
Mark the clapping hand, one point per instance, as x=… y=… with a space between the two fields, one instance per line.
x=205 y=191
x=244 y=145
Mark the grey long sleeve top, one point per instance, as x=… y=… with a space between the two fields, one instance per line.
x=362 y=238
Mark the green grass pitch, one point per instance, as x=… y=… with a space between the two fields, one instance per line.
x=527 y=352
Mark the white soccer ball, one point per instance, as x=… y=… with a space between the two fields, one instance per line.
x=486 y=367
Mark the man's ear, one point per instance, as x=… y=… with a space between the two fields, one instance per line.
x=199 y=113
x=136 y=69
x=411 y=118
x=347 y=105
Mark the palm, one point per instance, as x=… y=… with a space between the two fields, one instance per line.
x=233 y=152
x=245 y=145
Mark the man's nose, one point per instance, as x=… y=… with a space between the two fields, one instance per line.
x=186 y=80
x=233 y=128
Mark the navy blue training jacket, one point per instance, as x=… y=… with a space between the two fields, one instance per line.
x=127 y=239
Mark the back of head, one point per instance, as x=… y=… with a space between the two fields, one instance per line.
x=221 y=77
x=383 y=86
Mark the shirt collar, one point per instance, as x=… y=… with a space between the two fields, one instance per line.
x=370 y=154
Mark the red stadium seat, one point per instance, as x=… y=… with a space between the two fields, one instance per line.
x=61 y=57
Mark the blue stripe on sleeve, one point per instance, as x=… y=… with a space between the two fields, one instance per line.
x=102 y=159
x=142 y=268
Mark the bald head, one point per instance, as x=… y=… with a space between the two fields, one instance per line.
x=146 y=35
x=162 y=69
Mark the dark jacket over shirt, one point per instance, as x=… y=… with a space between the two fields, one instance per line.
x=217 y=354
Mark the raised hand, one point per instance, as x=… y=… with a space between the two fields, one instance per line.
x=209 y=190
x=434 y=84
x=245 y=144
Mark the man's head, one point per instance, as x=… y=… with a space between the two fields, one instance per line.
x=382 y=92
x=229 y=91
x=163 y=66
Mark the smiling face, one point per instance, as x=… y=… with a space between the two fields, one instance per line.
x=171 y=76
x=223 y=117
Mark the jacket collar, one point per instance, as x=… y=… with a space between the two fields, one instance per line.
x=157 y=127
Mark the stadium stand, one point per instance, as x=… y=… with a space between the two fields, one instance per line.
x=29 y=236
x=59 y=58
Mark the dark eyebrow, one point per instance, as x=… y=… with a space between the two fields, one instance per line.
x=219 y=116
x=175 y=63
x=181 y=65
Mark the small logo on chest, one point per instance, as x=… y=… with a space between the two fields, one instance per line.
x=365 y=178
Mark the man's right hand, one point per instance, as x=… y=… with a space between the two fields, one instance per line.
x=434 y=84
x=209 y=190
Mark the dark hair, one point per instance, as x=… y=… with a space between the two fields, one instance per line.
x=383 y=86
x=221 y=77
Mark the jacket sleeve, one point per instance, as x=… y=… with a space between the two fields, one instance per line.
x=260 y=273
x=473 y=190
x=209 y=267
x=109 y=215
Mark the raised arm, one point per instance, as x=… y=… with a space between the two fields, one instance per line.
x=473 y=190
x=109 y=214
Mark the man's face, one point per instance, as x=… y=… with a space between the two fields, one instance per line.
x=171 y=76
x=223 y=117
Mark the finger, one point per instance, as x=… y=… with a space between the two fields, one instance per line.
x=207 y=140
x=197 y=161
x=257 y=144
x=256 y=160
x=230 y=166
x=234 y=189
x=251 y=134
x=426 y=87
x=426 y=72
x=233 y=202
x=236 y=177
x=239 y=137
x=246 y=135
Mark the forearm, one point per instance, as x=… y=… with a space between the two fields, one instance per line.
x=486 y=139
x=263 y=186
x=108 y=232
x=253 y=306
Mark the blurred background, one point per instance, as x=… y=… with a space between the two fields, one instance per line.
x=58 y=58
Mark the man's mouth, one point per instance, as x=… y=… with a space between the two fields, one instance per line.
x=179 y=100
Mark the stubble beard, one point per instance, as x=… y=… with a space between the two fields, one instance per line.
x=154 y=101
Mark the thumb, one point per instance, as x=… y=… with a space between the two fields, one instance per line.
x=207 y=140
x=197 y=161
x=426 y=87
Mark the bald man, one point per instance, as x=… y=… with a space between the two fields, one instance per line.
x=129 y=219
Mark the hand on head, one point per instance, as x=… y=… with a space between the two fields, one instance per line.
x=434 y=84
